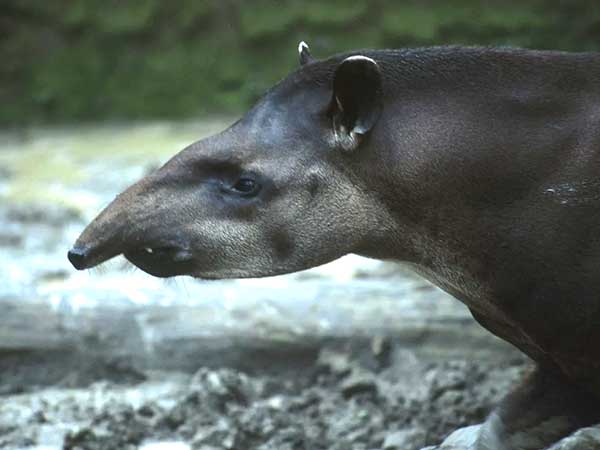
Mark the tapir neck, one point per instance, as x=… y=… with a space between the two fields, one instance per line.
x=471 y=140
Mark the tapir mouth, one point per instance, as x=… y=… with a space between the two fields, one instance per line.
x=166 y=261
x=159 y=261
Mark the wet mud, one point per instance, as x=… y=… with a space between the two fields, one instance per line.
x=353 y=397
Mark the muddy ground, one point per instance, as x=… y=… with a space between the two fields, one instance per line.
x=354 y=396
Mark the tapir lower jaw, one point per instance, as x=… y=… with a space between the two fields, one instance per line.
x=162 y=262
x=157 y=260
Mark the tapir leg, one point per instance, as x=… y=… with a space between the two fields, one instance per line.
x=544 y=408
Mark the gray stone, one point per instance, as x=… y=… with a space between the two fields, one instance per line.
x=407 y=439
x=461 y=439
x=334 y=361
x=583 y=439
x=220 y=435
x=464 y=439
x=358 y=383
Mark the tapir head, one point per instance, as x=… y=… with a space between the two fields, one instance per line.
x=277 y=192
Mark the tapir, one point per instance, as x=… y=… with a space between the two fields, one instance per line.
x=479 y=167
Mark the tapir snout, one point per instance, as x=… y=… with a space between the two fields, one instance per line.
x=134 y=225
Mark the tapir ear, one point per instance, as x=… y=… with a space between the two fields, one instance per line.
x=357 y=100
x=304 y=53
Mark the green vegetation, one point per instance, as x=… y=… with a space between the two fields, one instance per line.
x=73 y=60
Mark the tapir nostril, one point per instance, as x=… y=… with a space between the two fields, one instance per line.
x=77 y=257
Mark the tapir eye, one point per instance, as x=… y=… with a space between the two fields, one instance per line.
x=246 y=186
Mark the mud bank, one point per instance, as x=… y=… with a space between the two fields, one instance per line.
x=355 y=396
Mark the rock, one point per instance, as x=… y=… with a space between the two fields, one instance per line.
x=408 y=439
x=334 y=361
x=171 y=445
x=583 y=439
x=382 y=349
x=461 y=439
x=221 y=434
x=451 y=379
x=289 y=438
x=464 y=439
x=278 y=402
x=372 y=354
x=224 y=385
x=359 y=383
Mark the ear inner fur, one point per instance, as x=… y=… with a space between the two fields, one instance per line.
x=357 y=100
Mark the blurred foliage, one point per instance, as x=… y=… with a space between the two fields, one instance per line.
x=70 y=60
